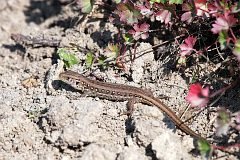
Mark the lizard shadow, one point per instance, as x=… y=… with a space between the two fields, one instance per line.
x=60 y=85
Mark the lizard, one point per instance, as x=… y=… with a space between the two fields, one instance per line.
x=120 y=92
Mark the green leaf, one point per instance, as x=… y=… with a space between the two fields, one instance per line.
x=117 y=1
x=223 y=122
x=182 y=61
x=158 y=1
x=128 y=38
x=89 y=59
x=101 y=60
x=175 y=1
x=205 y=148
x=236 y=49
x=132 y=16
x=68 y=58
x=86 y=6
x=222 y=38
x=113 y=50
x=128 y=13
x=224 y=116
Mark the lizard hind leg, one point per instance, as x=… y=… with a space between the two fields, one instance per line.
x=130 y=106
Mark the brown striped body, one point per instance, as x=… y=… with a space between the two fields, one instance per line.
x=119 y=92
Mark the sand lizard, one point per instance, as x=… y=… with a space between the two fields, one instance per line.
x=119 y=92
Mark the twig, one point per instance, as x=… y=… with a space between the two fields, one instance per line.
x=40 y=41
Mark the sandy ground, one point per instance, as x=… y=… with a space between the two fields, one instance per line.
x=40 y=120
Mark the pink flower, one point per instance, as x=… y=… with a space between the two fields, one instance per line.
x=140 y=31
x=187 y=47
x=198 y=96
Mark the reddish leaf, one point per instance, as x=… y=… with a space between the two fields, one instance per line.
x=145 y=9
x=198 y=96
x=215 y=9
x=187 y=47
x=237 y=119
x=220 y=24
x=140 y=31
x=224 y=22
x=187 y=16
x=163 y=16
x=127 y=13
x=201 y=8
x=212 y=9
x=186 y=7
